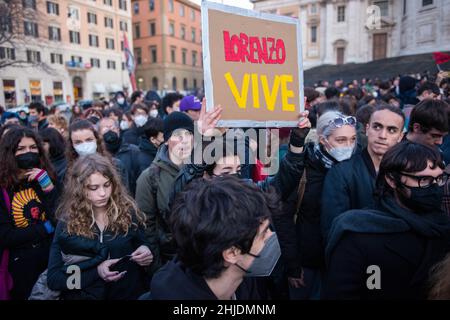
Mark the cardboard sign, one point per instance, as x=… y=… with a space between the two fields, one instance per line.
x=252 y=66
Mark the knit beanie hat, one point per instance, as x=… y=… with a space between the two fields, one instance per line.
x=177 y=120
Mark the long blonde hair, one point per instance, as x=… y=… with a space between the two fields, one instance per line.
x=76 y=209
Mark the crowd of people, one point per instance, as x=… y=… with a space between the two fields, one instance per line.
x=111 y=191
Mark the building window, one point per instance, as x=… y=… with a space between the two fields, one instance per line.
x=174 y=83
x=154 y=83
x=313 y=9
x=138 y=55
x=35 y=89
x=108 y=2
x=52 y=8
x=185 y=84
x=404 y=7
x=152 y=29
x=136 y=7
x=92 y=18
x=341 y=14
x=172 y=29
x=123 y=26
x=183 y=32
x=76 y=59
x=192 y=14
x=181 y=10
x=122 y=46
x=193 y=34
x=424 y=3
x=29 y=4
x=95 y=63
x=151 y=5
x=74 y=37
x=314 y=34
x=123 y=5
x=384 y=7
x=93 y=41
x=73 y=13
x=171 y=8
x=109 y=43
x=183 y=56
x=153 y=54
x=195 y=83
x=5 y=24
x=7 y=53
x=58 y=91
x=340 y=53
x=194 y=58
x=9 y=89
x=31 y=29
x=56 y=58
x=111 y=64
x=173 y=51
x=109 y=23
x=33 y=56
x=137 y=30
x=123 y=65
x=54 y=33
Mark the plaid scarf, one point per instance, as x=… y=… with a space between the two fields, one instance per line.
x=324 y=157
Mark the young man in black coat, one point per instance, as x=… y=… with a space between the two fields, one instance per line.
x=387 y=252
x=149 y=143
x=350 y=184
x=224 y=240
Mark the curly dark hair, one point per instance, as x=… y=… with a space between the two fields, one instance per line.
x=211 y=216
x=9 y=170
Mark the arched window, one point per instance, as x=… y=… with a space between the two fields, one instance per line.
x=154 y=83
x=185 y=84
x=174 y=83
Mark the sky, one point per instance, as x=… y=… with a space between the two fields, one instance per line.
x=237 y=3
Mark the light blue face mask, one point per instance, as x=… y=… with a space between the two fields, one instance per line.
x=342 y=153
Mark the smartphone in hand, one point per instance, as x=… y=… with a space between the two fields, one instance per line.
x=122 y=264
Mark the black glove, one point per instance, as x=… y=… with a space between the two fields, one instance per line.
x=298 y=136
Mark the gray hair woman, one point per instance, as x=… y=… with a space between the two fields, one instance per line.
x=336 y=142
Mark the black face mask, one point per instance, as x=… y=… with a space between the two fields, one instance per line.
x=28 y=160
x=424 y=200
x=112 y=141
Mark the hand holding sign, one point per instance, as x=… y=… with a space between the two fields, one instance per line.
x=208 y=120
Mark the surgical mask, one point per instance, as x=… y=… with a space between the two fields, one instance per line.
x=140 y=120
x=28 y=160
x=86 y=148
x=120 y=100
x=153 y=113
x=341 y=153
x=124 y=125
x=424 y=200
x=266 y=260
x=33 y=118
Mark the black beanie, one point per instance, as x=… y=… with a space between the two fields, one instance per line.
x=177 y=120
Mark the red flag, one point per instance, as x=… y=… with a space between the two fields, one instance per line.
x=440 y=57
x=129 y=61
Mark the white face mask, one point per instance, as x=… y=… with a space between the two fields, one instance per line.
x=342 y=153
x=86 y=148
x=140 y=120
x=120 y=100
x=153 y=113
x=124 y=125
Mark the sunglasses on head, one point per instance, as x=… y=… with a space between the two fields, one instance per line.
x=340 y=122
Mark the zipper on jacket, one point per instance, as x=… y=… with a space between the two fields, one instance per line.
x=101 y=236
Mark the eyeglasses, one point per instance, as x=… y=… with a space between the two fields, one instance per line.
x=340 y=122
x=426 y=181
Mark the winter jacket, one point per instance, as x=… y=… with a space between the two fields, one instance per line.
x=146 y=155
x=176 y=282
x=348 y=185
x=60 y=165
x=132 y=135
x=153 y=188
x=22 y=231
x=384 y=253
x=130 y=287
x=128 y=155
